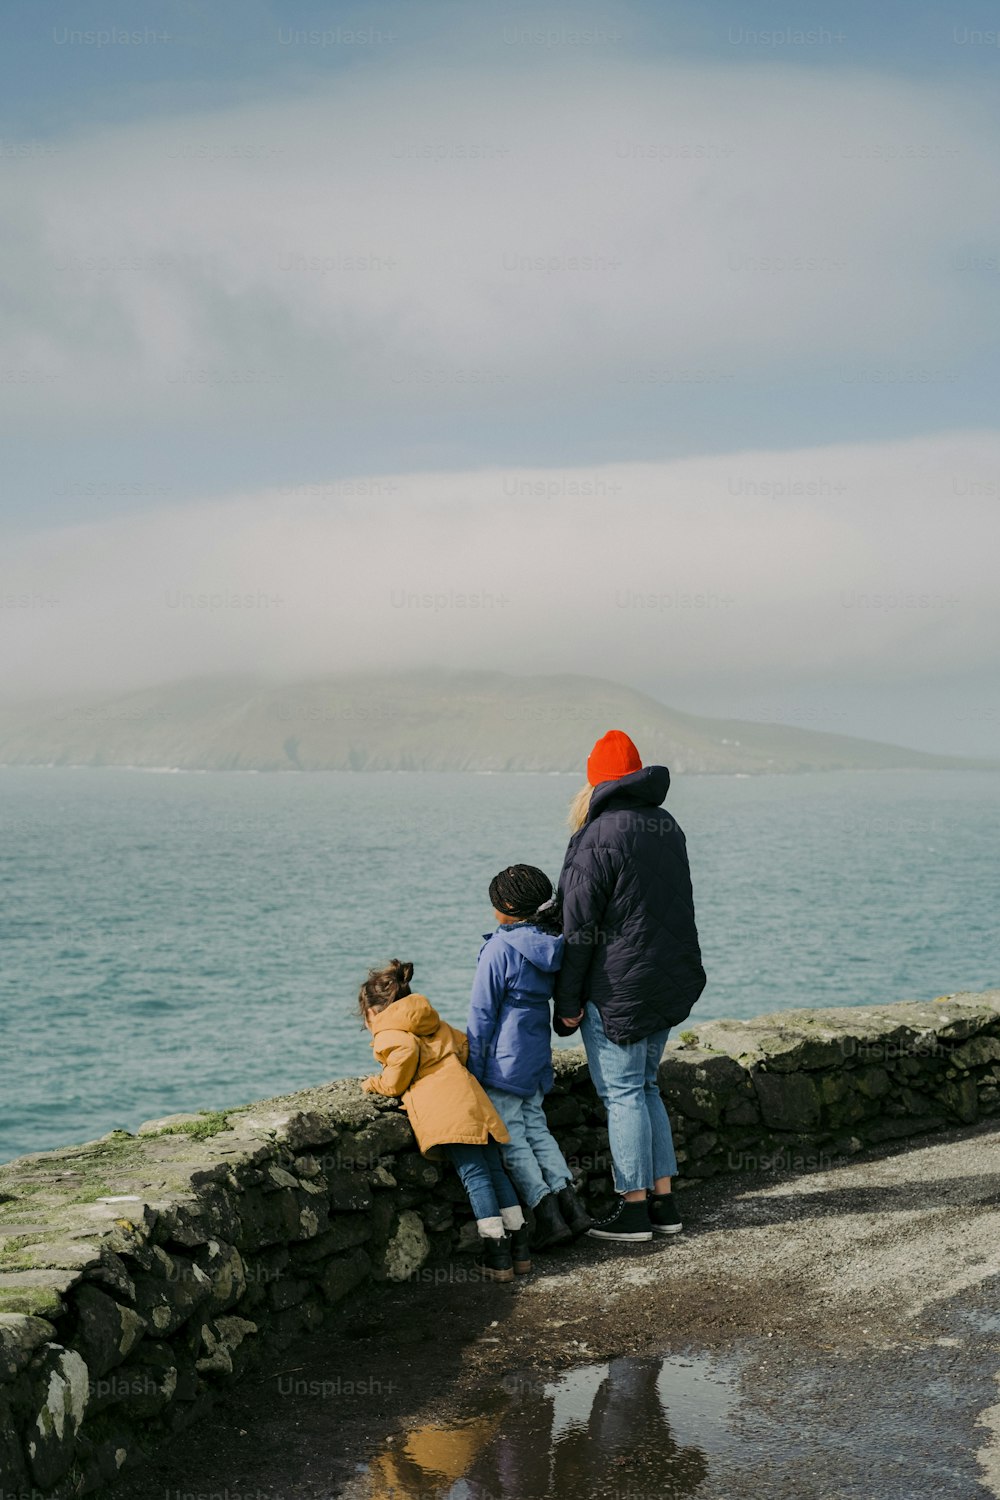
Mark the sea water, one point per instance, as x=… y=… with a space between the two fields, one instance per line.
x=179 y=942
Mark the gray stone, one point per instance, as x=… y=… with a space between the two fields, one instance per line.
x=382 y=1219
x=103 y=1446
x=191 y=1221
x=702 y=1144
x=59 y=1396
x=167 y=1299
x=343 y=1274
x=961 y=1098
x=348 y=1191
x=960 y=1022
x=788 y=1101
x=743 y=1112
x=976 y=1053
x=416 y=1171
x=223 y=1265
x=383 y=1137
x=436 y=1216
x=37 y=1293
x=407 y=1249
x=20 y=1336
x=20 y=1231
x=563 y=1110
x=219 y=1339
x=269 y=1218
x=834 y=1088
x=346 y=1231
x=286 y=1293
x=279 y=1178
x=307 y=1166
x=113 y=1273
x=569 y=1068
x=871 y=1082
x=130 y=1212
x=63 y=1255
x=168 y=1123
x=284 y=1327
x=786 y=1046
x=143 y=1387
x=13 y=1462
x=290 y=1127
x=913 y=1102
x=698 y=1083
x=107 y=1332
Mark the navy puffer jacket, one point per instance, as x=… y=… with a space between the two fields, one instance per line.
x=628 y=912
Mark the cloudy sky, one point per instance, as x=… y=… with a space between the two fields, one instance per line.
x=654 y=341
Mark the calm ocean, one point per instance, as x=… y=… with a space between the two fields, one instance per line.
x=178 y=941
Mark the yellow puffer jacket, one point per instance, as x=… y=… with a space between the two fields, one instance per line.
x=423 y=1060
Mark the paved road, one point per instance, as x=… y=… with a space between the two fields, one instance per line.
x=820 y=1335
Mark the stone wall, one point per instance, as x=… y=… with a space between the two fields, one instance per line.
x=140 y=1273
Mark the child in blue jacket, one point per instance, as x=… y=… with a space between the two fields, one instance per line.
x=510 y=1046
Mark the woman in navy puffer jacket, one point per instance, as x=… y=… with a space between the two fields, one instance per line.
x=631 y=969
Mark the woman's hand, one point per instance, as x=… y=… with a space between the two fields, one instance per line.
x=572 y=1021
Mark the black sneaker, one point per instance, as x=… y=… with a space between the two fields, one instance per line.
x=630 y=1221
x=663 y=1215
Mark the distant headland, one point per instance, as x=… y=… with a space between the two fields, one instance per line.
x=418 y=721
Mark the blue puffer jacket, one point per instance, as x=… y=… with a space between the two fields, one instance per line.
x=628 y=912
x=510 y=1044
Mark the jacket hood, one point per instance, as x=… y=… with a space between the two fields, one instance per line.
x=413 y=1013
x=645 y=788
x=543 y=949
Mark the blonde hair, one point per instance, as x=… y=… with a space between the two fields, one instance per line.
x=579 y=808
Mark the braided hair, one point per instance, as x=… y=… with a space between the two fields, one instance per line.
x=525 y=893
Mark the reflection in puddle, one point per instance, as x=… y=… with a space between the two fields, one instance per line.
x=427 y=1461
x=631 y=1428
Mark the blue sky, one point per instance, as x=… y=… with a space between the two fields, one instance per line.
x=263 y=248
x=204 y=60
x=230 y=49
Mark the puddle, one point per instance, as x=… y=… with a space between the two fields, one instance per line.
x=633 y=1428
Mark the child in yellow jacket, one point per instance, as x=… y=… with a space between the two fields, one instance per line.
x=423 y=1063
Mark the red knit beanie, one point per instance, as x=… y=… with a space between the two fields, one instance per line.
x=612 y=757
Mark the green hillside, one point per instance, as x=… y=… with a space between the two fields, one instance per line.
x=429 y=721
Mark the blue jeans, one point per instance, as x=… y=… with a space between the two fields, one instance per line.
x=533 y=1157
x=642 y=1144
x=483 y=1177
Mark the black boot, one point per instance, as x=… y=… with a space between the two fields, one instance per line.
x=495 y=1260
x=572 y=1209
x=551 y=1228
x=520 y=1250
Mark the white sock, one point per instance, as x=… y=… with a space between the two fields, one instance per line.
x=490 y=1229
x=513 y=1218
